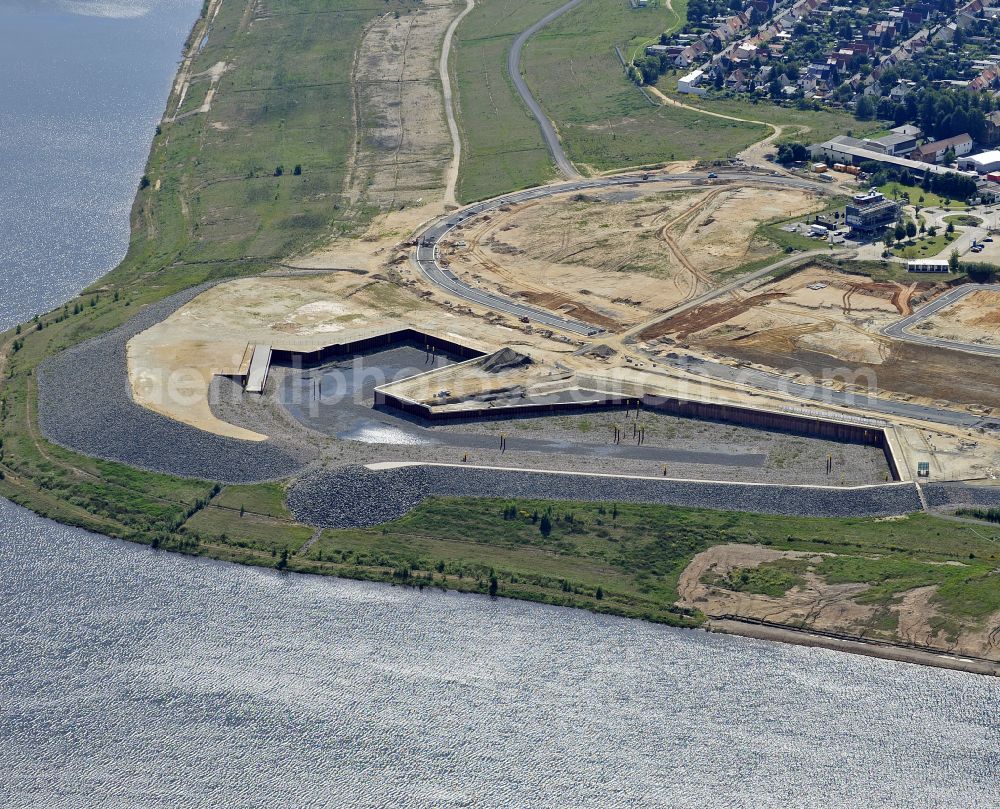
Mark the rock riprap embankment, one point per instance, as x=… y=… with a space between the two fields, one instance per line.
x=355 y=496
x=85 y=404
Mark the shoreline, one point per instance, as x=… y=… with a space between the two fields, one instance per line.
x=65 y=511
x=883 y=650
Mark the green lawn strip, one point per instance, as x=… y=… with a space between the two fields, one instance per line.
x=502 y=146
x=914 y=193
x=924 y=246
x=267 y=499
x=965 y=220
x=250 y=530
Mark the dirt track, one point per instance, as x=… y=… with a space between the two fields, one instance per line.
x=621 y=256
x=404 y=147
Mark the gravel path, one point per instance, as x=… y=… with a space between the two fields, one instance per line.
x=85 y=404
x=353 y=496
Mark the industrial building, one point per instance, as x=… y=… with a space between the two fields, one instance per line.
x=983 y=163
x=895 y=144
x=870 y=213
x=851 y=151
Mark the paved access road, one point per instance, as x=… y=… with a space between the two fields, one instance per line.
x=898 y=330
x=552 y=141
x=426 y=255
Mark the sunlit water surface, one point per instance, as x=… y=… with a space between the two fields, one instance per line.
x=137 y=678
x=83 y=85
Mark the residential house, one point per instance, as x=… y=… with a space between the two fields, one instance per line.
x=934 y=151
x=992 y=137
x=691 y=83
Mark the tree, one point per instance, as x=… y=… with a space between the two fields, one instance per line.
x=866 y=109
x=889 y=238
x=950 y=228
x=545 y=526
x=493 y=586
x=953 y=262
x=911 y=229
x=297 y=171
x=599 y=594
x=900 y=232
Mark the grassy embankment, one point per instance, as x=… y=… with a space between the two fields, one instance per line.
x=807 y=126
x=502 y=146
x=213 y=208
x=626 y=559
x=605 y=122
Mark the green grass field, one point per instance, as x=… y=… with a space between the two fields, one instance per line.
x=502 y=146
x=914 y=193
x=808 y=126
x=635 y=554
x=605 y=121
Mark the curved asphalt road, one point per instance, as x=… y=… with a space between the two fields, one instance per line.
x=426 y=261
x=426 y=255
x=898 y=330
x=514 y=69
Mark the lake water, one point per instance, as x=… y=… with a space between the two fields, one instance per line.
x=131 y=678
x=137 y=678
x=84 y=85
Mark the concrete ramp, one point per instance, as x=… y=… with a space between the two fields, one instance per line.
x=259 y=367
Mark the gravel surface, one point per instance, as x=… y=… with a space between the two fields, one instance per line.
x=943 y=495
x=85 y=404
x=354 y=496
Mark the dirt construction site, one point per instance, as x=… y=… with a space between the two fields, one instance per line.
x=634 y=261
x=677 y=268
x=616 y=258
x=975 y=318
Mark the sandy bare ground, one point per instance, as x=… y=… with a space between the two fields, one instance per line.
x=404 y=147
x=824 y=607
x=814 y=308
x=817 y=604
x=623 y=256
x=973 y=319
x=171 y=365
